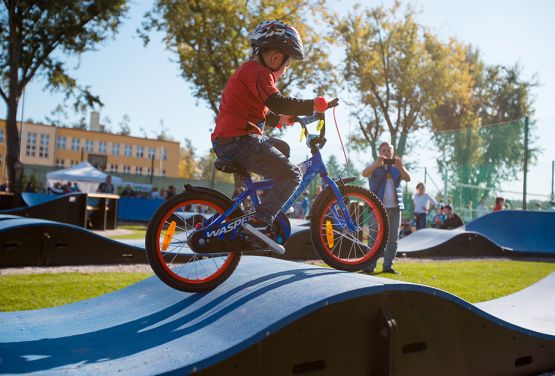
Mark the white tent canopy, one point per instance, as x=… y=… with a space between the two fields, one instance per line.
x=87 y=177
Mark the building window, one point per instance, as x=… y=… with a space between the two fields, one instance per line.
x=61 y=142
x=148 y=171
x=126 y=169
x=102 y=147
x=113 y=168
x=140 y=151
x=44 y=141
x=59 y=162
x=115 y=149
x=75 y=144
x=163 y=154
x=151 y=153
x=163 y=173
x=1 y=136
x=138 y=170
x=73 y=163
x=89 y=144
x=128 y=150
x=31 y=144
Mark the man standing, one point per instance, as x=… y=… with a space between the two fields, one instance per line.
x=452 y=219
x=422 y=202
x=384 y=176
x=106 y=186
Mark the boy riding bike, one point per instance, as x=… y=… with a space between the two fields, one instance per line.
x=251 y=100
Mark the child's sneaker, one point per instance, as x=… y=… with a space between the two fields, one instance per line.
x=262 y=235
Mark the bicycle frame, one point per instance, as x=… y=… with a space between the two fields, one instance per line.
x=310 y=168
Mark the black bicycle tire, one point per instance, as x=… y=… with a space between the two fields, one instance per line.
x=152 y=241
x=321 y=203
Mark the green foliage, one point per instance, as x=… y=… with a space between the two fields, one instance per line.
x=210 y=38
x=34 y=38
x=124 y=125
x=188 y=168
x=398 y=71
x=482 y=138
x=35 y=291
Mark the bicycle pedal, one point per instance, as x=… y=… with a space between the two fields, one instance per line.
x=274 y=247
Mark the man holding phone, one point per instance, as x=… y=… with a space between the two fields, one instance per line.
x=384 y=176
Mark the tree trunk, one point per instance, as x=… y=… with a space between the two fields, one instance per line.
x=15 y=167
x=400 y=151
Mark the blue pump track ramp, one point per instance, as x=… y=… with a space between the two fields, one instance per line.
x=508 y=233
x=33 y=242
x=277 y=317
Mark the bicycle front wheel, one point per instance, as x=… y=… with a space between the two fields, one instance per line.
x=340 y=246
x=168 y=252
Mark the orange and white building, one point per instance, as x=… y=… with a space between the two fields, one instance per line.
x=59 y=147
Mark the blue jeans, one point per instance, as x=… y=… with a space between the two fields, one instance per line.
x=390 y=251
x=267 y=157
x=420 y=220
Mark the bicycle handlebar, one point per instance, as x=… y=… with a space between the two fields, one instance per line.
x=315 y=116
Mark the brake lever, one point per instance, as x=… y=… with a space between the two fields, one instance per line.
x=333 y=103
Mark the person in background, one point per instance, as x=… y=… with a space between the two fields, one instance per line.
x=481 y=209
x=452 y=219
x=499 y=204
x=75 y=187
x=385 y=176
x=4 y=187
x=106 y=186
x=154 y=194
x=439 y=218
x=468 y=212
x=128 y=191
x=422 y=202
x=170 y=192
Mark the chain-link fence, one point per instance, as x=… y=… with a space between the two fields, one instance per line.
x=470 y=168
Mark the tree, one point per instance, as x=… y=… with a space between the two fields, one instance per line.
x=34 y=35
x=124 y=125
x=397 y=72
x=482 y=138
x=208 y=173
x=187 y=162
x=210 y=38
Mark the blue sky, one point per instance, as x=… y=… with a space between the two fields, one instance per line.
x=145 y=83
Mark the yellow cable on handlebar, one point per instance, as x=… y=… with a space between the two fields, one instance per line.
x=320 y=125
x=304 y=133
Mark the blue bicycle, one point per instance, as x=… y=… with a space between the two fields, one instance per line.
x=195 y=240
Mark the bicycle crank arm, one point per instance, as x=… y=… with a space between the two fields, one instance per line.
x=275 y=247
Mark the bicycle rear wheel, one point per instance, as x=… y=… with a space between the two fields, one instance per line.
x=336 y=244
x=168 y=252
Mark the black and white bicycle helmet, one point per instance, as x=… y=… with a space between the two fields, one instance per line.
x=279 y=35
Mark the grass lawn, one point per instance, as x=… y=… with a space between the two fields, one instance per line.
x=139 y=232
x=33 y=291
x=474 y=281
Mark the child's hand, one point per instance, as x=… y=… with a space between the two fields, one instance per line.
x=286 y=120
x=321 y=104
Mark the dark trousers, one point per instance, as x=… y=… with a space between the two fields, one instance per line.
x=267 y=157
x=420 y=220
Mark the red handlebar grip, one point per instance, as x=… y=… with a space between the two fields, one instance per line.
x=320 y=104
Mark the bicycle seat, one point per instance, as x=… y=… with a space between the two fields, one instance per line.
x=230 y=167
